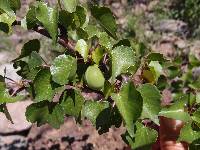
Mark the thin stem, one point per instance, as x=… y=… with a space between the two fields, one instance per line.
x=62 y=40
x=6 y=112
x=59 y=4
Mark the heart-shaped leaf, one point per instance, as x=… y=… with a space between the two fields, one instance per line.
x=122 y=58
x=72 y=103
x=70 y=5
x=176 y=111
x=42 y=86
x=45 y=112
x=49 y=18
x=151 y=102
x=129 y=103
x=144 y=137
x=63 y=69
x=28 y=48
x=82 y=48
x=105 y=18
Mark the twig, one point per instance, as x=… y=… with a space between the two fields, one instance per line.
x=6 y=112
x=62 y=40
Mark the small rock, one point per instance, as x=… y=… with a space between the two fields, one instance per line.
x=14 y=142
x=181 y=44
x=165 y=48
x=171 y=25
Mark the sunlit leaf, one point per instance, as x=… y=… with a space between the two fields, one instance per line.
x=72 y=103
x=70 y=5
x=122 y=58
x=63 y=69
x=127 y=99
x=49 y=18
x=176 y=111
x=82 y=48
x=42 y=86
x=151 y=102
x=45 y=112
x=105 y=18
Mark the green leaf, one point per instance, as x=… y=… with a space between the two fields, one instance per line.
x=108 y=89
x=196 y=116
x=7 y=15
x=66 y=19
x=82 y=48
x=144 y=136
x=5 y=7
x=42 y=86
x=187 y=134
x=56 y=116
x=122 y=58
x=4 y=27
x=92 y=31
x=156 y=69
x=6 y=22
x=35 y=60
x=198 y=97
x=151 y=102
x=70 y=5
x=105 y=18
x=129 y=103
x=28 y=48
x=140 y=48
x=49 y=18
x=92 y=109
x=25 y=72
x=148 y=76
x=193 y=60
x=63 y=69
x=123 y=42
x=15 y=4
x=75 y=21
x=102 y=115
x=156 y=57
x=81 y=13
x=104 y=40
x=173 y=71
x=72 y=103
x=45 y=112
x=195 y=84
x=31 y=19
x=195 y=145
x=153 y=72
x=81 y=34
x=176 y=111
x=97 y=54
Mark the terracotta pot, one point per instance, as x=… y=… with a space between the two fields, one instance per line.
x=169 y=131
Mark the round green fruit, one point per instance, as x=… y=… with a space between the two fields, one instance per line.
x=94 y=77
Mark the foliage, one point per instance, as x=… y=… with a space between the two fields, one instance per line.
x=188 y=11
x=98 y=60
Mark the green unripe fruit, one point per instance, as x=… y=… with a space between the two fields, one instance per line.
x=94 y=77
